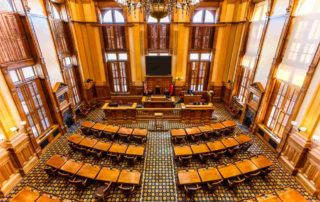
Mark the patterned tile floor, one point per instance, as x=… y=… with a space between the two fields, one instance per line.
x=159 y=170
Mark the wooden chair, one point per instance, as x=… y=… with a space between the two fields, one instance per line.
x=191 y=189
x=102 y=191
x=212 y=185
x=79 y=182
x=233 y=150
x=183 y=160
x=236 y=180
x=115 y=157
x=245 y=146
x=131 y=159
x=196 y=137
x=127 y=189
x=51 y=172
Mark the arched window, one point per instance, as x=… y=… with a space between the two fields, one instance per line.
x=203 y=16
x=113 y=16
x=55 y=12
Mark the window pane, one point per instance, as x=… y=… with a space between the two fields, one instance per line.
x=107 y=18
x=14 y=76
x=165 y=19
x=5 y=6
x=197 y=18
x=67 y=61
x=55 y=12
x=111 y=56
x=205 y=56
x=208 y=17
x=194 y=56
x=164 y=54
x=123 y=56
x=152 y=20
x=28 y=72
x=118 y=17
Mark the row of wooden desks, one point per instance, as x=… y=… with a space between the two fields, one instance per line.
x=214 y=128
x=98 y=129
x=28 y=194
x=110 y=147
x=94 y=172
x=213 y=146
x=224 y=172
x=285 y=195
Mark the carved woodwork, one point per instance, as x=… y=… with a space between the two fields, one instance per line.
x=160 y=82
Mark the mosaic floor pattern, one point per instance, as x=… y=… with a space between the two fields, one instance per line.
x=159 y=170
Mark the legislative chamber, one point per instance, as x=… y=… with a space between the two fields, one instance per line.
x=159 y=100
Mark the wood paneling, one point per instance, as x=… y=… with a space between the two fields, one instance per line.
x=14 y=46
x=62 y=33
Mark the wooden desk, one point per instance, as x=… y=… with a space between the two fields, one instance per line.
x=200 y=148
x=261 y=162
x=217 y=126
x=188 y=177
x=229 y=123
x=246 y=166
x=149 y=102
x=229 y=142
x=209 y=174
x=178 y=132
x=111 y=129
x=242 y=138
x=118 y=148
x=71 y=166
x=122 y=113
x=75 y=138
x=102 y=146
x=229 y=171
x=130 y=177
x=47 y=198
x=89 y=171
x=98 y=126
x=268 y=198
x=56 y=161
x=205 y=129
x=135 y=150
x=197 y=113
x=88 y=142
x=141 y=132
x=125 y=131
x=182 y=150
x=291 y=195
x=216 y=146
x=26 y=195
x=87 y=124
x=193 y=131
x=108 y=175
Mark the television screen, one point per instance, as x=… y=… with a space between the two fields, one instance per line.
x=158 y=65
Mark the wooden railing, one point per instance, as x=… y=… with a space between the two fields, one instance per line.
x=168 y=113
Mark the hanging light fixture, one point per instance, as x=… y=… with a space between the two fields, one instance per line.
x=158 y=8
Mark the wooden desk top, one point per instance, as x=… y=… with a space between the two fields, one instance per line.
x=261 y=161
x=26 y=195
x=158 y=99
x=178 y=132
x=88 y=142
x=87 y=124
x=118 y=148
x=268 y=198
x=135 y=150
x=56 y=161
x=242 y=138
x=130 y=177
x=229 y=142
x=229 y=123
x=246 y=166
x=217 y=126
x=188 y=177
x=291 y=195
x=197 y=107
x=120 y=107
x=216 y=146
x=71 y=166
x=229 y=171
x=193 y=131
x=46 y=198
x=75 y=138
x=111 y=129
x=182 y=150
x=103 y=146
x=108 y=175
x=140 y=132
x=89 y=171
x=199 y=148
x=125 y=131
x=98 y=126
x=209 y=174
x=205 y=128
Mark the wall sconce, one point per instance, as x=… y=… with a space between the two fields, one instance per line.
x=23 y=123
x=294 y=123
x=14 y=129
x=2 y=137
x=302 y=129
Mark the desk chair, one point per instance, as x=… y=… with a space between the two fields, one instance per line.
x=184 y=160
x=102 y=191
x=127 y=189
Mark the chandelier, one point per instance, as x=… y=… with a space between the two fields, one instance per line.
x=158 y=8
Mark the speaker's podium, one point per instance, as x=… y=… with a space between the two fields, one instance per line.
x=158 y=101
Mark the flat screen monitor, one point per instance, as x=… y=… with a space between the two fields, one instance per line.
x=158 y=65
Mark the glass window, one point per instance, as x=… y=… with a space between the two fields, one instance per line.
x=165 y=19
x=205 y=56
x=5 y=5
x=194 y=56
x=107 y=18
x=118 y=17
x=197 y=18
x=209 y=18
x=152 y=19
x=113 y=16
x=67 y=61
x=123 y=56
x=14 y=76
x=28 y=72
x=111 y=56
